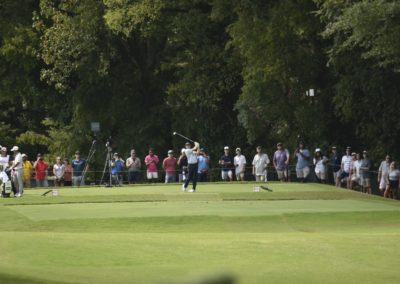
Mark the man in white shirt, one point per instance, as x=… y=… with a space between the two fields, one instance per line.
x=240 y=165
x=191 y=154
x=18 y=171
x=260 y=163
x=345 y=167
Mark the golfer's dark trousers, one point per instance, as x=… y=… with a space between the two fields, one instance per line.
x=192 y=175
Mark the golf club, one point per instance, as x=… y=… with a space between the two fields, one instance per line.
x=184 y=137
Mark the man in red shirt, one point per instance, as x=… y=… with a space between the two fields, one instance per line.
x=169 y=165
x=41 y=168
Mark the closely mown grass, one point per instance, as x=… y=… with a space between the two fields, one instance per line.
x=156 y=234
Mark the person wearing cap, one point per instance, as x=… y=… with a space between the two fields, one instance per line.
x=345 y=167
x=67 y=173
x=41 y=168
x=169 y=165
x=335 y=162
x=365 y=173
x=191 y=154
x=182 y=166
x=239 y=161
x=226 y=162
x=320 y=165
x=355 y=177
x=303 y=160
x=383 y=174
x=260 y=164
x=27 y=170
x=151 y=161
x=133 y=165
x=281 y=162
x=4 y=158
x=58 y=172
x=203 y=165
x=16 y=167
x=78 y=167
x=117 y=169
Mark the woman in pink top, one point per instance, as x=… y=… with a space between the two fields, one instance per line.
x=151 y=162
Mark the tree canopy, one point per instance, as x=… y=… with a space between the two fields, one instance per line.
x=226 y=72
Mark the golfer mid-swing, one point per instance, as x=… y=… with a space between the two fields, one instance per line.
x=191 y=154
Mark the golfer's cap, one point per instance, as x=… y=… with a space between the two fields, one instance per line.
x=354 y=154
x=279 y=144
x=187 y=143
x=115 y=154
x=317 y=150
x=24 y=155
x=170 y=152
x=238 y=149
x=15 y=148
x=4 y=149
x=226 y=148
x=365 y=152
x=77 y=153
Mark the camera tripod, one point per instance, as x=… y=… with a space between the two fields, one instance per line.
x=107 y=164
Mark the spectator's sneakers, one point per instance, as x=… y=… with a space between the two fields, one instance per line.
x=183 y=188
x=192 y=190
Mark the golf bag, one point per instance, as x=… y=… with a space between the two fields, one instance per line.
x=7 y=185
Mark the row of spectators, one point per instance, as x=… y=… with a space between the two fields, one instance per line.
x=350 y=170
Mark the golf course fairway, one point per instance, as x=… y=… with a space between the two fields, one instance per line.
x=298 y=233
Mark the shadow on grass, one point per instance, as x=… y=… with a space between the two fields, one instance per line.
x=14 y=279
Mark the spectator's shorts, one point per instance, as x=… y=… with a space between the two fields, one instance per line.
x=356 y=179
x=261 y=177
x=343 y=175
x=226 y=174
x=152 y=175
x=282 y=174
x=394 y=185
x=303 y=173
x=336 y=175
x=366 y=182
x=320 y=175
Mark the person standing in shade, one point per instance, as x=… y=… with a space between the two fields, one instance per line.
x=182 y=165
x=383 y=174
x=151 y=161
x=239 y=161
x=27 y=170
x=67 y=173
x=169 y=166
x=191 y=154
x=320 y=162
x=58 y=171
x=393 y=182
x=345 y=167
x=281 y=162
x=226 y=162
x=18 y=172
x=335 y=162
x=78 y=166
x=41 y=168
x=260 y=164
x=365 y=173
x=203 y=165
x=134 y=165
x=302 y=165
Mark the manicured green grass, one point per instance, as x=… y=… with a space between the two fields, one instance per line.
x=156 y=234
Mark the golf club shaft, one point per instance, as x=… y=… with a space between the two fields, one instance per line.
x=184 y=137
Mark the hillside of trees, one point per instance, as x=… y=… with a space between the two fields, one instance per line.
x=224 y=72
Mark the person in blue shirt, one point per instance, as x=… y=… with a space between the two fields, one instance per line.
x=78 y=169
x=117 y=169
x=203 y=165
x=303 y=160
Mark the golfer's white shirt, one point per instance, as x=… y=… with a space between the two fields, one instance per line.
x=191 y=156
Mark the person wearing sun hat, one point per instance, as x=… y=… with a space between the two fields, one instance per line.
x=18 y=172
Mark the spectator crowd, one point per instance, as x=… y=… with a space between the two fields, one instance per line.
x=349 y=170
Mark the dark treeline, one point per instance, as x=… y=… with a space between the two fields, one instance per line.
x=224 y=72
